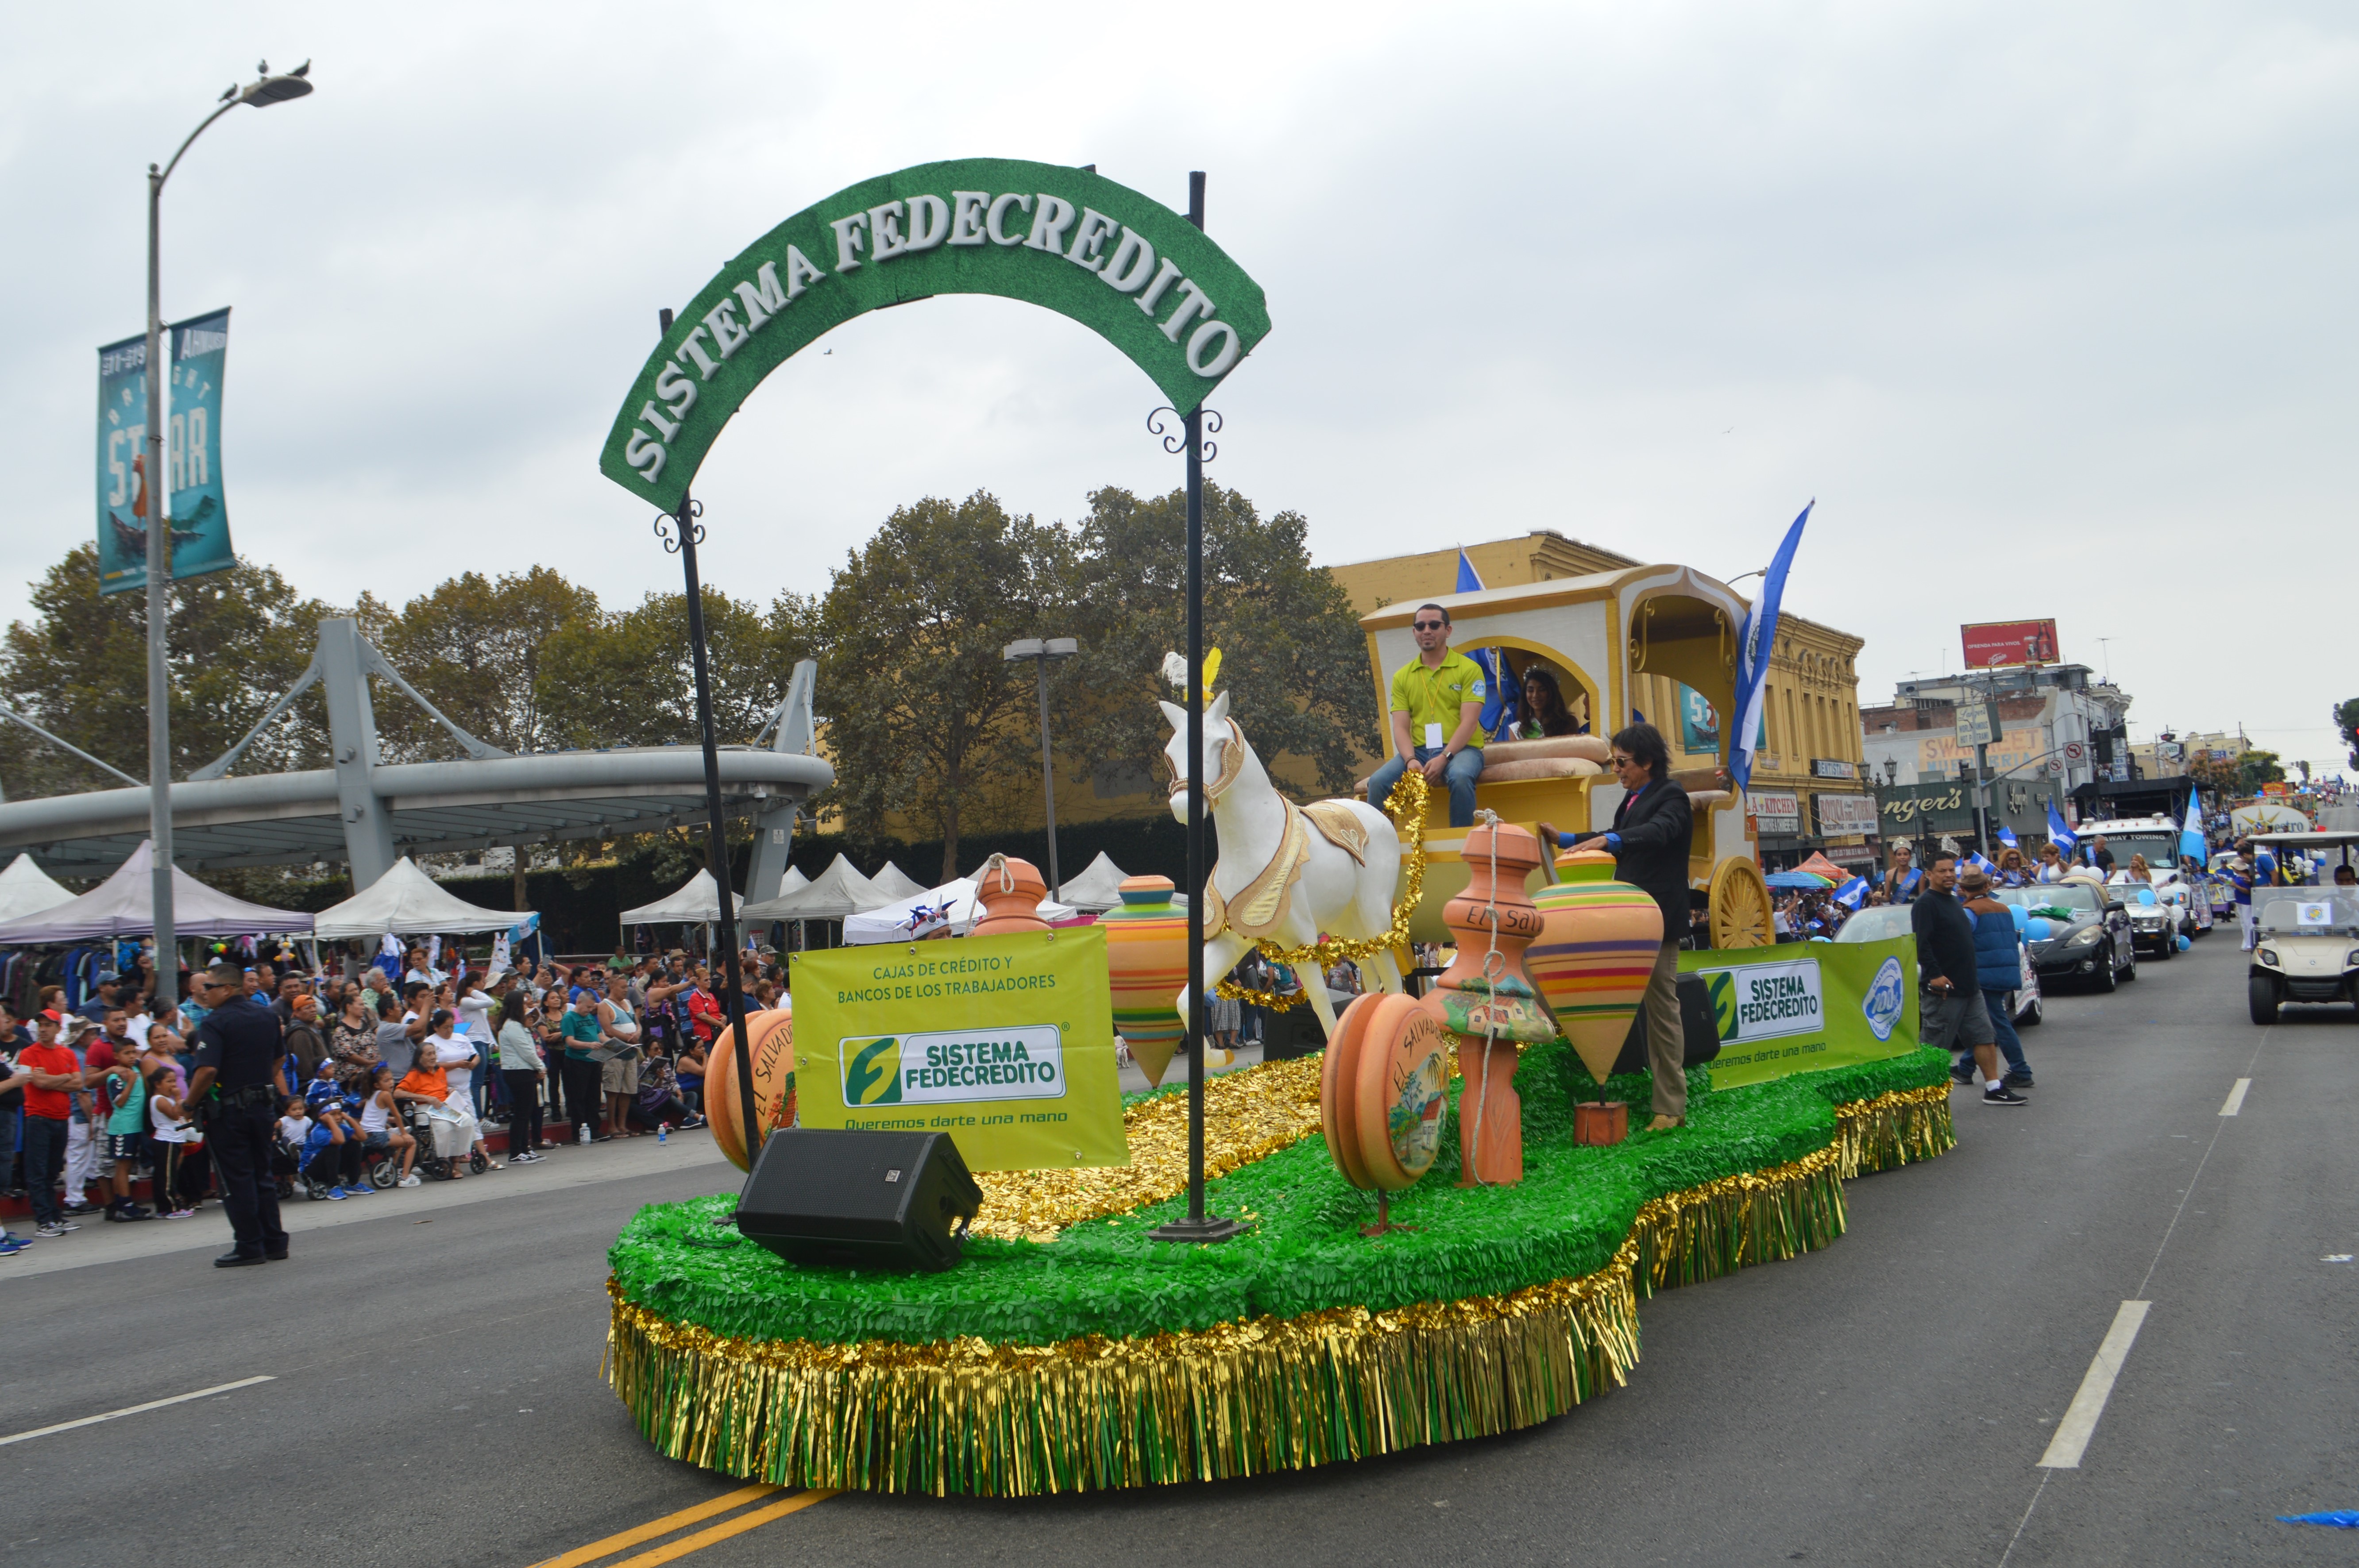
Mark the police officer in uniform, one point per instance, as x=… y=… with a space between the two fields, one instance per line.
x=236 y=1087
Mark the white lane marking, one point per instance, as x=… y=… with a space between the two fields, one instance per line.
x=2080 y=1423
x=2236 y=1098
x=134 y=1409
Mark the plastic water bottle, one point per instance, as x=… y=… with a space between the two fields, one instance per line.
x=585 y=1135
x=663 y=1131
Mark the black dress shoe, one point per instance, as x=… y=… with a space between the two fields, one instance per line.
x=277 y=1257
x=236 y=1260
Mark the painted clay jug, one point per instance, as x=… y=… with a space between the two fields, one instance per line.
x=1597 y=948
x=1009 y=891
x=1147 y=960
x=770 y=1036
x=1488 y=1000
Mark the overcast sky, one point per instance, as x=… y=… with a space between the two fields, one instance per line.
x=2050 y=308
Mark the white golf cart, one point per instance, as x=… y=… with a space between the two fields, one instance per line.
x=2307 y=948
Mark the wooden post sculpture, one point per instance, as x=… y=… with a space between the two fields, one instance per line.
x=1488 y=1001
x=1147 y=954
x=1596 y=950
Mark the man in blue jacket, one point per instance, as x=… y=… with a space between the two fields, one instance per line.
x=1950 y=1001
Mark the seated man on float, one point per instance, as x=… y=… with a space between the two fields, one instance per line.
x=1437 y=698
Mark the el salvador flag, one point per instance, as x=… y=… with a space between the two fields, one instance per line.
x=525 y=927
x=1756 y=640
x=2063 y=838
x=1978 y=863
x=2007 y=837
x=2192 y=842
x=1853 y=893
x=1502 y=692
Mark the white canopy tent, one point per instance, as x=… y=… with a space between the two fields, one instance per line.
x=695 y=902
x=893 y=882
x=835 y=893
x=26 y=889
x=405 y=901
x=946 y=911
x=1098 y=888
x=119 y=907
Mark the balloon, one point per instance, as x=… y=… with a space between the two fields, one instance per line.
x=2022 y=916
x=2038 y=929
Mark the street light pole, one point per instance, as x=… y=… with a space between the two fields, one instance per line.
x=1040 y=653
x=154 y=490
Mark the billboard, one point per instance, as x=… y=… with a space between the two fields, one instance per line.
x=1990 y=643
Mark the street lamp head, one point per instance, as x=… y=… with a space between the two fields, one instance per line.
x=1063 y=647
x=1022 y=648
x=278 y=89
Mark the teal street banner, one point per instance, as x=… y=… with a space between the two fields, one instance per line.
x=199 y=515
x=1799 y=1007
x=192 y=455
x=1699 y=724
x=123 y=466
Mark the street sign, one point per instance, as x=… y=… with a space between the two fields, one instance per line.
x=1977 y=724
x=2074 y=751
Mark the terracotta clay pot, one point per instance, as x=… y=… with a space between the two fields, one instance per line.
x=1596 y=949
x=770 y=1036
x=1147 y=960
x=1488 y=1001
x=1009 y=891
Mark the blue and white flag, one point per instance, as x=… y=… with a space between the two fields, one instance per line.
x=2063 y=838
x=1755 y=641
x=2007 y=837
x=1502 y=692
x=1853 y=893
x=1977 y=862
x=2192 y=842
x=525 y=927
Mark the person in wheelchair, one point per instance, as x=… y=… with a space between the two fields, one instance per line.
x=383 y=1127
x=426 y=1086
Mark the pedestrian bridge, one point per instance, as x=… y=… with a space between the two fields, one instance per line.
x=368 y=813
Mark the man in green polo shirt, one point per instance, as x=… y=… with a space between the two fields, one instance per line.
x=1436 y=698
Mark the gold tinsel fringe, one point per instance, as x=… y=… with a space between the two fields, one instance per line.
x=1894 y=1130
x=1243 y=1398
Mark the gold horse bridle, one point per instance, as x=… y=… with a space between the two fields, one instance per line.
x=1233 y=762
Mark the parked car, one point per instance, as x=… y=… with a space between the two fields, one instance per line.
x=1885 y=922
x=2077 y=931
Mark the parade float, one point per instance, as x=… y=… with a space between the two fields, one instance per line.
x=1435 y=1229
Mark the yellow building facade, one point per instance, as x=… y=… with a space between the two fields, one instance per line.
x=1812 y=744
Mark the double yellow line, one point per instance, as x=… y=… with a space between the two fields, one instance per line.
x=671 y=1551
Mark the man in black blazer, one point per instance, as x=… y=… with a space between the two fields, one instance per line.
x=1650 y=839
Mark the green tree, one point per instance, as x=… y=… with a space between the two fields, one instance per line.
x=2256 y=768
x=924 y=712
x=627 y=679
x=2346 y=719
x=1293 y=656
x=474 y=648
x=238 y=640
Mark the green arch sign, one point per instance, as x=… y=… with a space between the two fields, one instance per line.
x=1123 y=265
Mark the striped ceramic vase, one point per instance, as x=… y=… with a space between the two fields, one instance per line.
x=1597 y=945
x=1146 y=957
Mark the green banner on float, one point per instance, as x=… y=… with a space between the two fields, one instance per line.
x=1069 y=240
x=1799 y=1007
x=1005 y=1043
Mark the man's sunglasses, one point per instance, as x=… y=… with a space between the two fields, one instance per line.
x=1429 y=625
x=1622 y=761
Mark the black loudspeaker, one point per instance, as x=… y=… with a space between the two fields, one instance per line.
x=866 y=1200
x=1700 y=1030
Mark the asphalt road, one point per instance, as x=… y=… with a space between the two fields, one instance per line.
x=436 y=1399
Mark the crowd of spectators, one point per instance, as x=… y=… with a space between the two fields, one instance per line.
x=391 y=1079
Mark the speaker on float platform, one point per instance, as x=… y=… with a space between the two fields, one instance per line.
x=863 y=1199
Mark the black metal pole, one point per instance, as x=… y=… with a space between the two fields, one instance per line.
x=716 y=836
x=1197 y=1225
x=1048 y=775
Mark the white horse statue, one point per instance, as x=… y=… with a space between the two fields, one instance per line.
x=1286 y=873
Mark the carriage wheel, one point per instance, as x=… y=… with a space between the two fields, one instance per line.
x=1740 y=905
